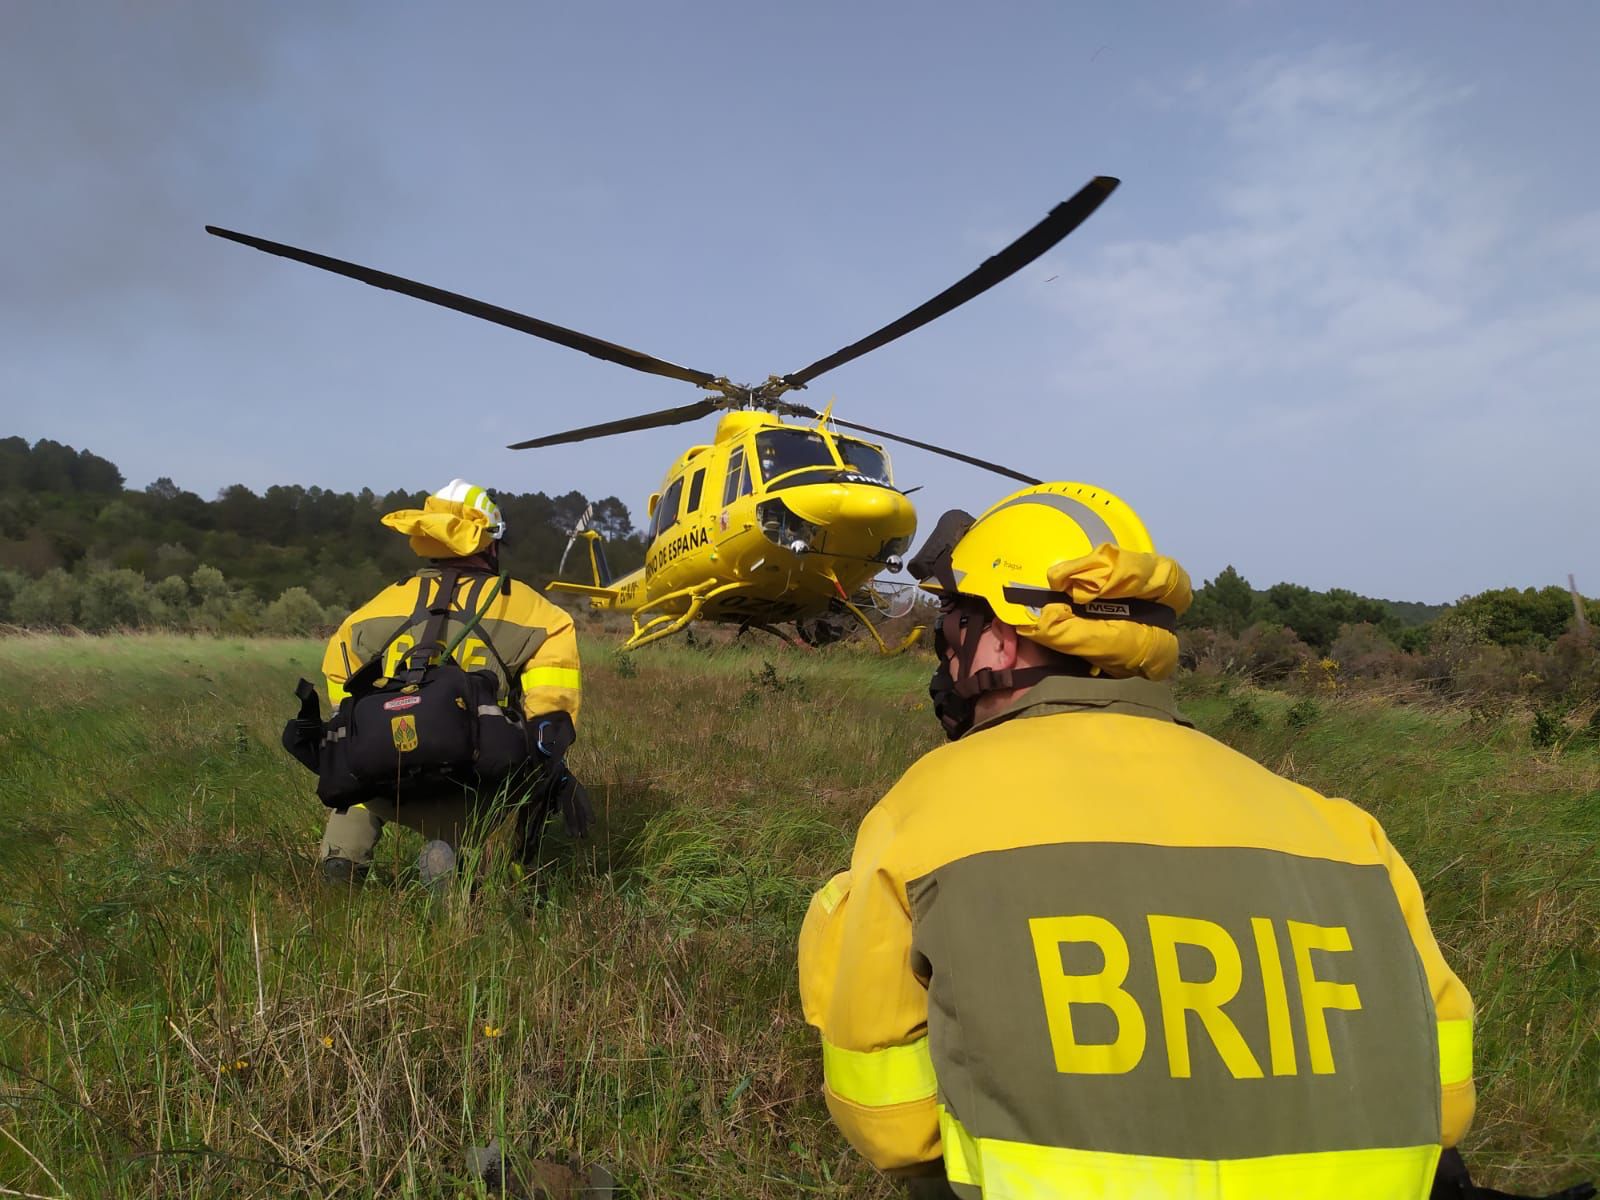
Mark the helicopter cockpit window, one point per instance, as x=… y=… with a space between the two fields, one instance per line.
x=695 y=486
x=864 y=459
x=667 y=508
x=785 y=450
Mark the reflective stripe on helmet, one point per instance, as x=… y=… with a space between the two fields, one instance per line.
x=469 y=495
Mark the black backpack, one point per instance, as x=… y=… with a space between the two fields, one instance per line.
x=430 y=721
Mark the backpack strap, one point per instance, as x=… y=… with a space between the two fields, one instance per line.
x=513 y=679
x=372 y=667
x=417 y=658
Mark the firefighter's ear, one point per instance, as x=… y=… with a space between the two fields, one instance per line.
x=1004 y=644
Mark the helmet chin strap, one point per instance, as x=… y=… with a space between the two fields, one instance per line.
x=954 y=700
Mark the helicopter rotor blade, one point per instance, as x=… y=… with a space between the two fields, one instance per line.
x=584 y=522
x=1062 y=220
x=955 y=454
x=562 y=336
x=650 y=420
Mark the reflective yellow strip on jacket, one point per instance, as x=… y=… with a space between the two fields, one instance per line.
x=1018 y=1171
x=832 y=892
x=875 y=1078
x=960 y=1152
x=1455 y=1052
x=569 y=678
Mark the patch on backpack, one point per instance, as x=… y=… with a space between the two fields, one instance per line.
x=401 y=702
x=404 y=730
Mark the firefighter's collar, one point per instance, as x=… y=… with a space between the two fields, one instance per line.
x=1066 y=693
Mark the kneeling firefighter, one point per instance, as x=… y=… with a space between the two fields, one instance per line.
x=1084 y=950
x=457 y=694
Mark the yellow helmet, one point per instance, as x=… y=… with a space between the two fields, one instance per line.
x=459 y=519
x=1014 y=543
x=1071 y=567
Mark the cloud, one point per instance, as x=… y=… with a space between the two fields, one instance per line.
x=1338 y=228
x=1354 y=279
x=128 y=127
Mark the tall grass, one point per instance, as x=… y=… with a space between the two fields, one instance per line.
x=185 y=1010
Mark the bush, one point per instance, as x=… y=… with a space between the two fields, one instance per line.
x=49 y=601
x=169 y=602
x=294 y=614
x=1547 y=728
x=1364 y=651
x=1244 y=714
x=1272 y=652
x=113 y=600
x=11 y=585
x=1302 y=714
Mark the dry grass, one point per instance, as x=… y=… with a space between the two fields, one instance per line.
x=186 y=1011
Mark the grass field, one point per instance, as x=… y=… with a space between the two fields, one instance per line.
x=186 y=1011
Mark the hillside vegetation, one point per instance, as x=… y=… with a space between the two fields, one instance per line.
x=78 y=548
x=186 y=1011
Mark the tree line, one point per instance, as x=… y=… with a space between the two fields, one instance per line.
x=79 y=548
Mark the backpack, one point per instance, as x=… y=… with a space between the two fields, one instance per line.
x=428 y=722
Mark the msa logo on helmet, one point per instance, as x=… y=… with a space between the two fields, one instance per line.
x=401 y=702
x=1107 y=608
x=1010 y=566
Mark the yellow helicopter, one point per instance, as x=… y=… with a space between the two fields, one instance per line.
x=775 y=520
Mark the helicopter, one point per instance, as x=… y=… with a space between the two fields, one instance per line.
x=781 y=517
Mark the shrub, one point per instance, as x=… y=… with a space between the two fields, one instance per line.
x=48 y=601
x=11 y=585
x=1244 y=713
x=1546 y=730
x=293 y=614
x=113 y=600
x=169 y=602
x=1302 y=714
x=1364 y=651
x=1272 y=652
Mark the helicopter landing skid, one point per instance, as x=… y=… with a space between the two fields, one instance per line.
x=906 y=643
x=666 y=624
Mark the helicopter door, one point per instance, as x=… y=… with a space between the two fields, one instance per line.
x=736 y=483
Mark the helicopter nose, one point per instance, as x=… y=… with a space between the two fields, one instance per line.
x=888 y=513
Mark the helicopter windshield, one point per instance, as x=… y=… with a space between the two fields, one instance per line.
x=864 y=459
x=783 y=450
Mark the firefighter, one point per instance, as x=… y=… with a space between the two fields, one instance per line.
x=1085 y=950
x=527 y=642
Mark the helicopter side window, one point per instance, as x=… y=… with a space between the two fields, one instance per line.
x=785 y=450
x=692 y=505
x=667 y=508
x=738 y=483
x=864 y=459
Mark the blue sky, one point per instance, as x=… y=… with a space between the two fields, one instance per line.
x=1340 y=325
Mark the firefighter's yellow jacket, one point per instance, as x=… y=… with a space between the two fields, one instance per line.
x=1087 y=951
x=520 y=631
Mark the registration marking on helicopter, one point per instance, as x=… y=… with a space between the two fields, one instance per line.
x=682 y=544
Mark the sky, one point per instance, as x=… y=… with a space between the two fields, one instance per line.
x=1340 y=325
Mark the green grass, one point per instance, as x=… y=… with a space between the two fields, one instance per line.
x=161 y=923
